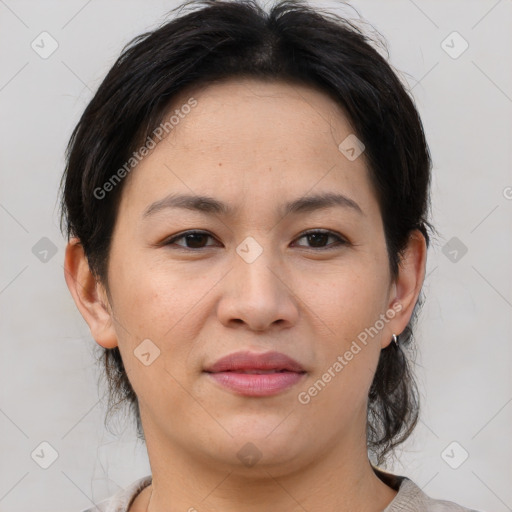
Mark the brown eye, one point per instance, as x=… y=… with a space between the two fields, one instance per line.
x=318 y=239
x=193 y=239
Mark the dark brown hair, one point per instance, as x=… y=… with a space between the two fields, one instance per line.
x=293 y=42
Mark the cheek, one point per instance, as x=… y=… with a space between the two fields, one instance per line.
x=346 y=302
x=166 y=306
x=346 y=307
x=153 y=299
x=161 y=306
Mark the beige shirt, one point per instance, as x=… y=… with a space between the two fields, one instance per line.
x=410 y=498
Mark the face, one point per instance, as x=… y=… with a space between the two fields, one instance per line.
x=255 y=277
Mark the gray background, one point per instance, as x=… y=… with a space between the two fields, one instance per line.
x=49 y=390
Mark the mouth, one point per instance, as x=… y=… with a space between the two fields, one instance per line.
x=250 y=361
x=255 y=371
x=257 y=375
x=257 y=383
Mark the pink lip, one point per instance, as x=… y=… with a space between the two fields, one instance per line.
x=229 y=372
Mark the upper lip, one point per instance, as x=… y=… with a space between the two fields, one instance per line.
x=254 y=361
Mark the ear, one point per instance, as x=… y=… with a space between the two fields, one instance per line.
x=89 y=295
x=407 y=286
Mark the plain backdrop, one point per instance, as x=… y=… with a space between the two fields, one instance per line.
x=49 y=393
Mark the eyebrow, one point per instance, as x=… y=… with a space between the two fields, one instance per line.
x=211 y=205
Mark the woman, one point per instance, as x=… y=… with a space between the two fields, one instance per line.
x=246 y=201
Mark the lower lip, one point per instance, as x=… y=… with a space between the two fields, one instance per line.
x=257 y=384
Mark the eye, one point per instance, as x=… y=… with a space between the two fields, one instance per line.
x=319 y=237
x=197 y=239
x=194 y=239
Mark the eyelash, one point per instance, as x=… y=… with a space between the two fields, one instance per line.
x=340 y=240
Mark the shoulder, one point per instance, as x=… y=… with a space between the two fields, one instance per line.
x=121 y=500
x=410 y=498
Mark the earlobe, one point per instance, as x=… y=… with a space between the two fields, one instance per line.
x=407 y=286
x=89 y=295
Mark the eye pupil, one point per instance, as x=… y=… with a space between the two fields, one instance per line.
x=191 y=236
x=314 y=237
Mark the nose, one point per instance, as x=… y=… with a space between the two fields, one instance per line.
x=258 y=295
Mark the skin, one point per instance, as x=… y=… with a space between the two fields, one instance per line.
x=253 y=145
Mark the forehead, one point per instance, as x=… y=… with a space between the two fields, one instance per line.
x=251 y=139
x=253 y=110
